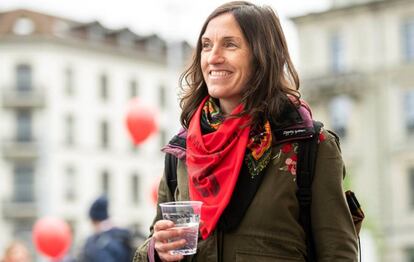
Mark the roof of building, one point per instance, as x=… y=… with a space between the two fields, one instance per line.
x=374 y=4
x=27 y=23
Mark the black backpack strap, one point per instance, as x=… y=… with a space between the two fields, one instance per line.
x=170 y=171
x=307 y=154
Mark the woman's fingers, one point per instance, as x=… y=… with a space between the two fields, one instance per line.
x=163 y=250
x=167 y=239
x=167 y=234
x=163 y=232
x=166 y=247
x=163 y=224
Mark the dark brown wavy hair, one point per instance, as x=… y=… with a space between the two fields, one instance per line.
x=273 y=78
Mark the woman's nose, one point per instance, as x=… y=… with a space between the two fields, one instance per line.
x=216 y=56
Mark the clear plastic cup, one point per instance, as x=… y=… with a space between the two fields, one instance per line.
x=186 y=217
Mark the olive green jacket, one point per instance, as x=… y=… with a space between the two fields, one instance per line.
x=269 y=230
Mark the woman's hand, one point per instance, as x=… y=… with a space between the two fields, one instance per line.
x=162 y=233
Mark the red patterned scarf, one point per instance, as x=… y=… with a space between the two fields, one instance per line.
x=214 y=159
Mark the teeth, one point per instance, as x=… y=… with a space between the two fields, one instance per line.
x=219 y=73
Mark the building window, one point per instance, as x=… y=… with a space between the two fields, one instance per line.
x=154 y=46
x=23 y=26
x=104 y=134
x=135 y=182
x=126 y=39
x=69 y=130
x=23 y=78
x=133 y=89
x=105 y=182
x=69 y=88
x=24 y=126
x=70 y=183
x=24 y=183
x=408 y=40
x=409 y=111
x=411 y=187
x=340 y=112
x=337 y=53
x=96 y=32
x=176 y=54
x=103 y=87
x=162 y=96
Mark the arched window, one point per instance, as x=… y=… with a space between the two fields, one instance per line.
x=133 y=89
x=105 y=182
x=23 y=26
x=23 y=77
x=408 y=40
x=135 y=188
x=340 y=112
x=409 y=110
x=337 y=52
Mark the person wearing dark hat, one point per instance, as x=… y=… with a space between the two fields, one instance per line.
x=99 y=209
x=108 y=243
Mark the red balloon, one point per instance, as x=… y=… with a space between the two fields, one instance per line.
x=52 y=237
x=140 y=121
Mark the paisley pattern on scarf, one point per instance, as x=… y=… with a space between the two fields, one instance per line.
x=258 y=152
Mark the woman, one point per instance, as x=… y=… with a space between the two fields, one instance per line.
x=236 y=155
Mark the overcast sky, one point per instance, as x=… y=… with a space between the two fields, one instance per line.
x=172 y=19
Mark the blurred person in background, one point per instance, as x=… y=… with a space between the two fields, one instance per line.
x=242 y=117
x=108 y=243
x=16 y=252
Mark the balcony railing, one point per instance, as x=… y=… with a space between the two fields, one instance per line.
x=20 y=149
x=14 y=98
x=329 y=85
x=13 y=209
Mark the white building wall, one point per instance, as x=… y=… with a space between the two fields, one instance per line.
x=377 y=150
x=372 y=39
x=49 y=60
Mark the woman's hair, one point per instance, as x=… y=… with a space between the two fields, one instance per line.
x=273 y=76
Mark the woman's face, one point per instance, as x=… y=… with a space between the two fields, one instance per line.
x=226 y=61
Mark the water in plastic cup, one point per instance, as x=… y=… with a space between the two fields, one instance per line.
x=186 y=217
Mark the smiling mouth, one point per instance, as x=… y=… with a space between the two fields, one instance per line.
x=219 y=74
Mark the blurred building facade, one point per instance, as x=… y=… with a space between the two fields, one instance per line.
x=64 y=91
x=357 y=69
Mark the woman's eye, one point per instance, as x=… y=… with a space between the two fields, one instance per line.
x=206 y=45
x=230 y=44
